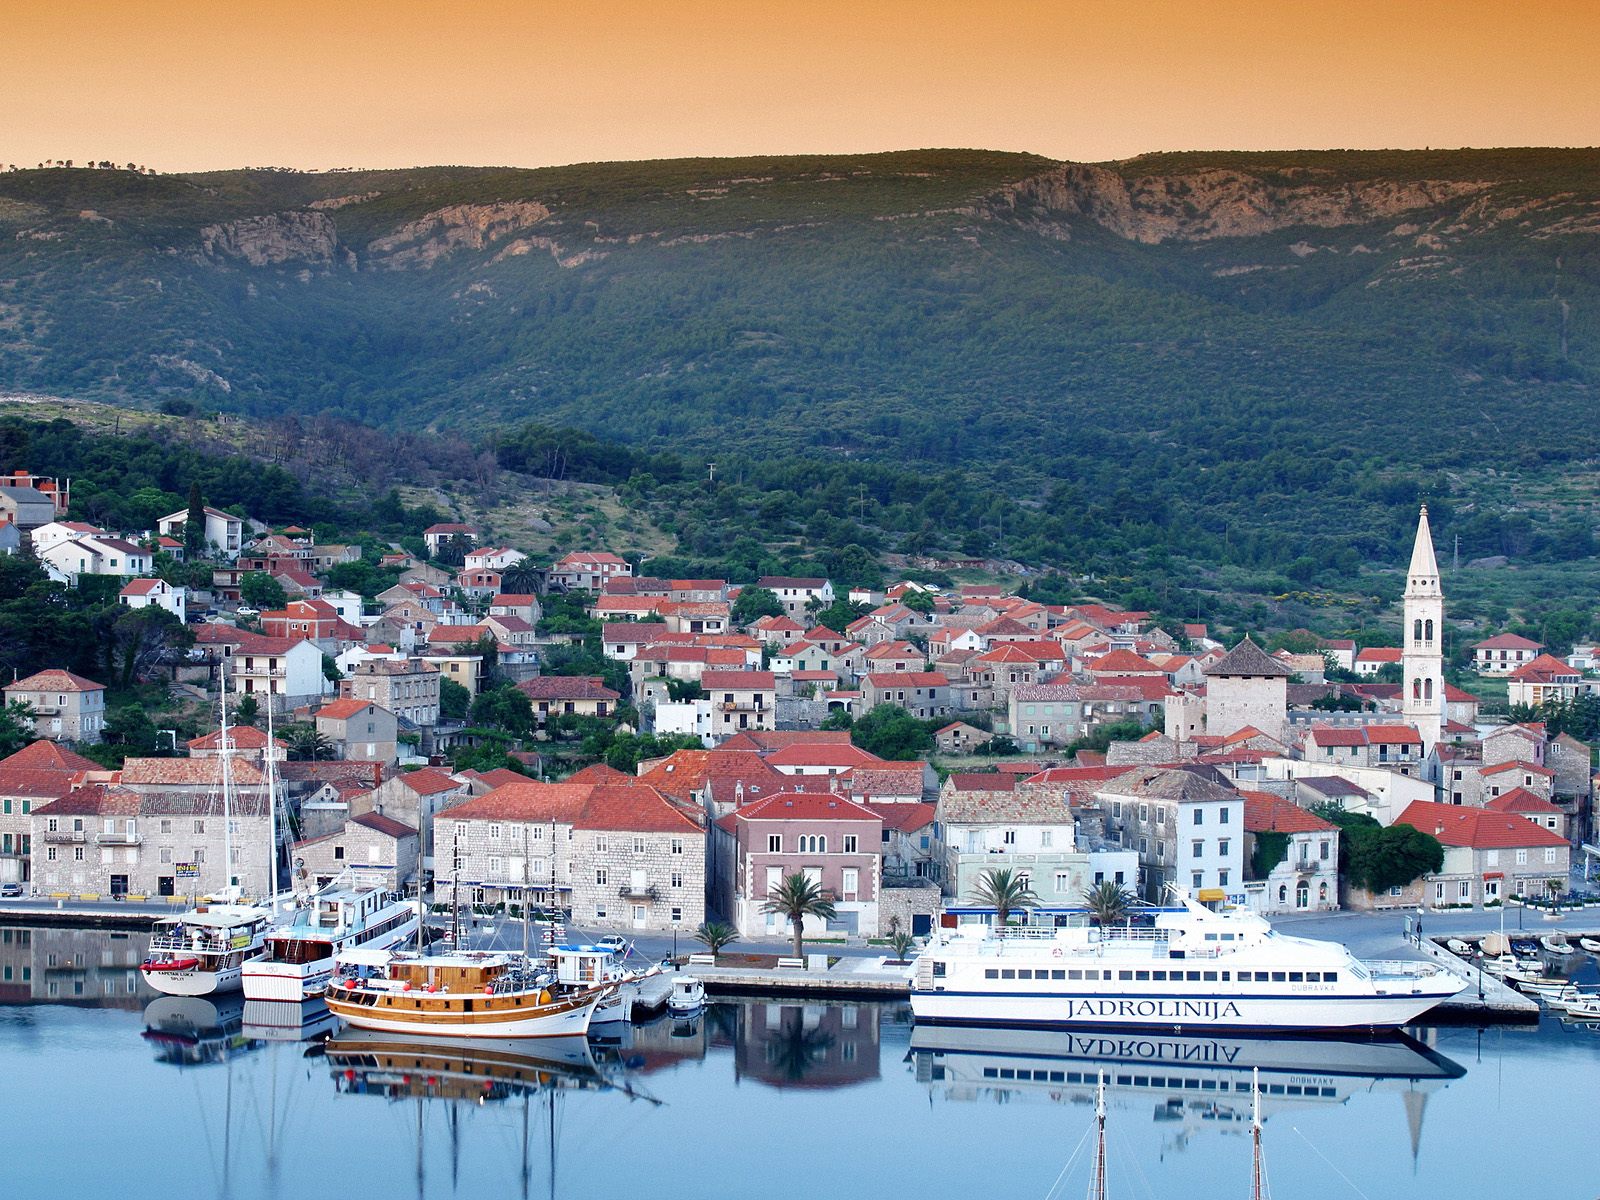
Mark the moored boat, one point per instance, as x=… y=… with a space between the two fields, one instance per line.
x=496 y=994
x=204 y=951
x=1589 y=945
x=688 y=996
x=1556 y=943
x=585 y=966
x=1457 y=947
x=299 y=952
x=1186 y=967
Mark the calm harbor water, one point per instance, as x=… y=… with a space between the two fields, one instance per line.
x=109 y=1090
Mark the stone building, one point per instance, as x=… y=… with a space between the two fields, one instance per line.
x=407 y=687
x=360 y=730
x=104 y=840
x=371 y=845
x=415 y=798
x=1306 y=877
x=618 y=855
x=1187 y=826
x=33 y=776
x=66 y=707
x=1247 y=686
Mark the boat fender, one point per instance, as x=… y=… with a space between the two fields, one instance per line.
x=406 y=986
x=488 y=989
x=544 y=996
x=431 y=988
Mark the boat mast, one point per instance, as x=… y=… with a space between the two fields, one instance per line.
x=227 y=784
x=272 y=813
x=524 y=893
x=1097 y=1181
x=1255 y=1133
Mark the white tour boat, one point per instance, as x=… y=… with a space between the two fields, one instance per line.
x=300 y=951
x=1189 y=968
x=204 y=950
x=688 y=996
x=583 y=966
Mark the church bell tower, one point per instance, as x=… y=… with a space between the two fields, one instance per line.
x=1423 y=657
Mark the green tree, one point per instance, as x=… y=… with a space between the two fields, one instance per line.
x=506 y=708
x=521 y=578
x=839 y=614
x=714 y=935
x=262 y=592
x=1108 y=902
x=902 y=943
x=194 y=525
x=247 y=711
x=795 y=898
x=141 y=638
x=305 y=742
x=16 y=727
x=889 y=731
x=1003 y=890
x=1394 y=857
x=753 y=604
x=131 y=730
x=454 y=700
x=918 y=602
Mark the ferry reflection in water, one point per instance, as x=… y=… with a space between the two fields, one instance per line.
x=1190 y=1080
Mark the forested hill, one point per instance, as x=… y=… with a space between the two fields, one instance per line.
x=1274 y=317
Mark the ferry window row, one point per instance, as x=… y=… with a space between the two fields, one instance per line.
x=1173 y=1082
x=1161 y=976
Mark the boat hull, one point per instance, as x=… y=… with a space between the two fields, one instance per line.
x=1197 y=1012
x=196 y=980
x=565 y=1018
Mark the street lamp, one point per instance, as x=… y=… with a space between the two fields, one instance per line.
x=674 y=945
x=1419 y=927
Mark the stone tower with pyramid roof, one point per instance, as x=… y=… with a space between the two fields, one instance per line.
x=1422 y=656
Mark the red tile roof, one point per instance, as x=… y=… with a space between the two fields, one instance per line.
x=55 y=680
x=566 y=687
x=1507 y=641
x=1521 y=800
x=1545 y=669
x=906 y=817
x=1477 y=828
x=343 y=710
x=804 y=754
x=44 y=755
x=1517 y=765
x=914 y=679
x=981 y=781
x=807 y=806
x=637 y=808
x=240 y=737
x=525 y=801
x=1265 y=812
x=1123 y=662
x=384 y=825
x=429 y=781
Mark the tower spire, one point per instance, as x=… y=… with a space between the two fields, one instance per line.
x=1422 y=656
x=1424 y=566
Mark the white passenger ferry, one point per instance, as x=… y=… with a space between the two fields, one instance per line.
x=204 y=951
x=1191 y=968
x=300 y=951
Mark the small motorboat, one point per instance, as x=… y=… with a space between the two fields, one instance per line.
x=688 y=996
x=1544 y=986
x=1570 y=996
x=1527 y=947
x=1556 y=943
x=1457 y=947
x=1589 y=945
x=1519 y=978
x=1583 y=1010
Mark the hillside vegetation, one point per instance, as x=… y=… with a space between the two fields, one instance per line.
x=1249 y=362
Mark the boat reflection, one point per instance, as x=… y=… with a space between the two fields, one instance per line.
x=402 y=1066
x=287 y=1021
x=1191 y=1081
x=192 y=1031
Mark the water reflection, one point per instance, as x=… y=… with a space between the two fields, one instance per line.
x=95 y=967
x=785 y=1044
x=1191 y=1082
x=477 y=1070
x=193 y=1031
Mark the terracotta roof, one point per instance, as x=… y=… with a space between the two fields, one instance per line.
x=1124 y=661
x=1507 y=641
x=738 y=680
x=1517 y=765
x=1478 y=828
x=343 y=710
x=773 y=582
x=633 y=809
x=566 y=687
x=915 y=679
x=600 y=773
x=1332 y=785
x=141 y=587
x=429 y=781
x=906 y=817
x=45 y=755
x=886 y=781
x=1521 y=800
x=811 y=754
x=384 y=825
x=1545 y=669
x=807 y=806
x=55 y=680
x=981 y=781
x=188 y=772
x=1383 y=654
x=525 y=801
x=1265 y=812
x=773 y=739
x=241 y=737
x=631 y=632
x=91 y=800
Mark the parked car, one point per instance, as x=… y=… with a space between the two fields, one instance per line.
x=613 y=943
x=10 y=891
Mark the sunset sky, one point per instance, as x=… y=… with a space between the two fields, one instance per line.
x=182 y=85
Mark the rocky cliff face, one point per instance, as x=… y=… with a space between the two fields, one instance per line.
x=422 y=242
x=1207 y=204
x=274 y=239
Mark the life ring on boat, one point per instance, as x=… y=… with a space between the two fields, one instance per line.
x=175 y=964
x=488 y=989
x=1056 y=953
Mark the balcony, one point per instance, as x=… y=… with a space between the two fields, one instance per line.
x=742 y=706
x=119 y=839
x=64 y=835
x=648 y=892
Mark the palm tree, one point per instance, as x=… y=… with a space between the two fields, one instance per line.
x=1003 y=889
x=714 y=935
x=520 y=578
x=307 y=743
x=797 y=897
x=902 y=943
x=1108 y=901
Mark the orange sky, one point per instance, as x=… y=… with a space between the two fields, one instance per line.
x=183 y=85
